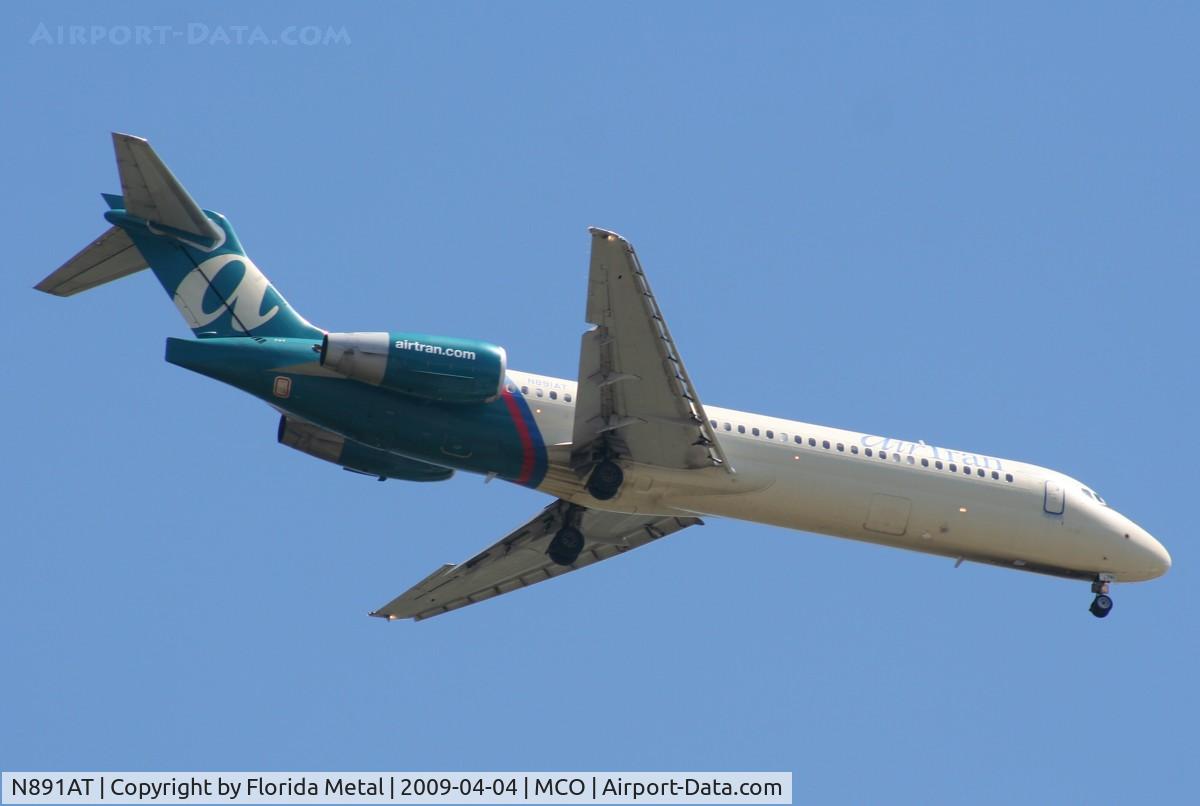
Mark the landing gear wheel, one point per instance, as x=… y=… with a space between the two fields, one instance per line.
x=605 y=481
x=1101 y=605
x=565 y=547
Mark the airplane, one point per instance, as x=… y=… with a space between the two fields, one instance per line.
x=627 y=449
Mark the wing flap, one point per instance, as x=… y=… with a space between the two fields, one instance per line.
x=519 y=560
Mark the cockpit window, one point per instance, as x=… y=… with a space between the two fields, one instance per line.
x=1094 y=497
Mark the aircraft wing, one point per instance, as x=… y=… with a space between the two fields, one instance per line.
x=635 y=398
x=519 y=560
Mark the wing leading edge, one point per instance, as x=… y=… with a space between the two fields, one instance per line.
x=519 y=559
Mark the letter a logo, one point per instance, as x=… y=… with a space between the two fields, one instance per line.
x=245 y=299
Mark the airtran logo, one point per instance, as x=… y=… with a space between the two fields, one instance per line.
x=900 y=447
x=216 y=282
x=433 y=349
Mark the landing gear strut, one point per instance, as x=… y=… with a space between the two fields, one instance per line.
x=1102 y=604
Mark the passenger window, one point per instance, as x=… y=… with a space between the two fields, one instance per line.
x=869 y=452
x=995 y=475
x=728 y=427
x=770 y=435
x=812 y=443
x=911 y=460
x=741 y=429
x=538 y=391
x=896 y=457
x=567 y=397
x=554 y=395
x=966 y=470
x=953 y=467
x=799 y=439
x=1008 y=477
x=524 y=390
x=924 y=463
x=754 y=431
x=883 y=454
x=980 y=473
x=825 y=444
x=713 y=423
x=938 y=464
x=853 y=449
x=841 y=447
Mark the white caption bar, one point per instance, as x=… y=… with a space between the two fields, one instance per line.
x=397 y=787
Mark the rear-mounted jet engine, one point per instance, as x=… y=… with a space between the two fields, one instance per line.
x=439 y=368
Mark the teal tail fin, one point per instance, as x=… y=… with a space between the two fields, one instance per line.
x=194 y=253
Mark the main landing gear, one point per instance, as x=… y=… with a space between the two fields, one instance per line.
x=1102 y=604
x=565 y=547
x=605 y=481
x=603 y=484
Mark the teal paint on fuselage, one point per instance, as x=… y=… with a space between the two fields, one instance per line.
x=251 y=337
x=477 y=438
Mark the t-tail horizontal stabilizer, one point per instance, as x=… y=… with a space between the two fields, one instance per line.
x=194 y=255
x=109 y=257
x=150 y=192
x=154 y=194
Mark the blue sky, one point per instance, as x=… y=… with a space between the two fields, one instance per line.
x=970 y=225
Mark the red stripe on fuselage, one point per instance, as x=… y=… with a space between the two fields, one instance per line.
x=523 y=434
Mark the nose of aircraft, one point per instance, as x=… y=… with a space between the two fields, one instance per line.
x=1156 y=557
x=1139 y=556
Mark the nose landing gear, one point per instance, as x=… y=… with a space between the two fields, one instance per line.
x=1103 y=603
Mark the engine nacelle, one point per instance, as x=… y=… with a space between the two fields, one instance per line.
x=432 y=367
x=316 y=441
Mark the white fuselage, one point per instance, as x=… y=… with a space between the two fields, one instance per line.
x=865 y=487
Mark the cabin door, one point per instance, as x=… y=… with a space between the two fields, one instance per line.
x=1056 y=499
